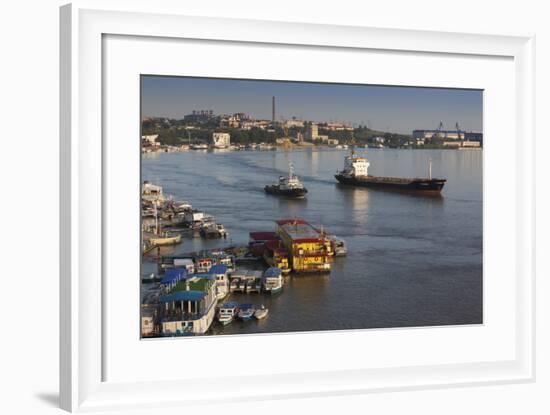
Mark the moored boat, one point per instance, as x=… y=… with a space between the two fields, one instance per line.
x=227 y=312
x=272 y=280
x=261 y=313
x=246 y=311
x=165 y=239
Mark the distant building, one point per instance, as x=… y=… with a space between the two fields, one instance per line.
x=448 y=135
x=150 y=140
x=294 y=123
x=199 y=116
x=312 y=131
x=333 y=142
x=221 y=140
x=336 y=126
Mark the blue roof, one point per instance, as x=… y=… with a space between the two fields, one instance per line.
x=230 y=304
x=183 y=296
x=173 y=275
x=218 y=269
x=272 y=272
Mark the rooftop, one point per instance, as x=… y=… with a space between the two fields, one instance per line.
x=298 y=228
x=183 y=296
x=201 y=284
x=173 y=275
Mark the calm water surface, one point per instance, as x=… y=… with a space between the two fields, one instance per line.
x=412 y=260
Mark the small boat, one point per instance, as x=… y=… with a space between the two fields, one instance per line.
x=246 y=311
x=289 y=186
x=165 y=239
x=221 y=230
x=242 y=285
x=234 y=285
x=273 y=280
x=227 y=312
x=261 y=313
x=338 y=246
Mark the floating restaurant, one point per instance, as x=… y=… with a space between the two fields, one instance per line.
x=190 y=307
x=309 y=249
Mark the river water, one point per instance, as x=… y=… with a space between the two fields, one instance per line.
x=412 y=260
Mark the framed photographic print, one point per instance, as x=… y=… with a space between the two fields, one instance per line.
x=293 y=203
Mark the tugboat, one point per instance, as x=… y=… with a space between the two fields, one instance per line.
x=355 y=174
x=289 y=186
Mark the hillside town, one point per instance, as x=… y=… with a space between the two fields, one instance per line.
x=203 y=129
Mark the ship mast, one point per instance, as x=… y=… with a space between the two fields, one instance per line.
x=290 y=170
x=430 y=168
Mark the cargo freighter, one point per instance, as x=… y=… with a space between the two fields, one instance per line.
x=355 y=173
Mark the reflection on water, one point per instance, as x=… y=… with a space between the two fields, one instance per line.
x=412 y=260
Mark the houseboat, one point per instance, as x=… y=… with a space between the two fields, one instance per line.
x=152 y=193
x=227 y=312
x=220 y=275
x=309 y=250
x=272 y=280
x=189 y=308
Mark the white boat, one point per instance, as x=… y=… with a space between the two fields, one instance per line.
x=261 y=313
x=246 y=311
x=151 y=193
x=227 y=312
x=164 y=239
x=199 y=146
x=338 y=246
x=272 y=280
x=219 y=273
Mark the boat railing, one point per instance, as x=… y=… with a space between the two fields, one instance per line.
x=178 y=315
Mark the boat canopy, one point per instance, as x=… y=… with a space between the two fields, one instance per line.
x=273 y=272
x=218 y=269
x=183 y=296
x=174 y=275
x=230 y=304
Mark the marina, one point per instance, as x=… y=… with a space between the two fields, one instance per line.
x=330 y=252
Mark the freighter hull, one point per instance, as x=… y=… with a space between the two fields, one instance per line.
x=417 y=186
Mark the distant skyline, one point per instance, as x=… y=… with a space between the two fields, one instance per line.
x=387 y=108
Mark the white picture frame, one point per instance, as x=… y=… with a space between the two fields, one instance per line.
x=82 y=319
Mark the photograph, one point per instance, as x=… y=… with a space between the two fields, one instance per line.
x=277 y=206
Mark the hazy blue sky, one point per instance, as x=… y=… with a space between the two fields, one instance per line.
x=396 y=109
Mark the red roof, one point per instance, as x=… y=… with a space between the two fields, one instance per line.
x=263 y=236
x=291 y=221
x=274 y=244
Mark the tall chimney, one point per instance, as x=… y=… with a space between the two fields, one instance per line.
x=273 y=109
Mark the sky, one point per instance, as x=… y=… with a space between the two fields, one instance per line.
x=386 y=108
